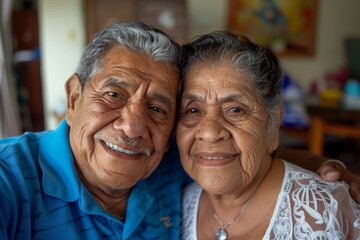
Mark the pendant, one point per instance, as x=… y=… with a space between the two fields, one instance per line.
x=221 y=234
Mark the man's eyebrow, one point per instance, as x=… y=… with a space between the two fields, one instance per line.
x=167 y=101
x=164 y=99
x=116 y=82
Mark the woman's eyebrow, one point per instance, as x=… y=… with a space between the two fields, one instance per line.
x=228 y=98
x=234 y=97
x=192 y=97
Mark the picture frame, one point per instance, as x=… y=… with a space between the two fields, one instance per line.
x=286 y=27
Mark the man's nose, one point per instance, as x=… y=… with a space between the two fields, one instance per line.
x=133 y=121
x=212 y=130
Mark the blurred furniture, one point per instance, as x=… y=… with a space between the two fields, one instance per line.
x=25 y=32
x=352 y=52
x=168 y=16
x=330 y=118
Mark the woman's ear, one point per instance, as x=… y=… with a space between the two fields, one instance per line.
x=73 y=94
x=275 y=132
x=281 y=109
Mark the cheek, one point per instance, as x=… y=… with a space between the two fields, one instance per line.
x=160 y=134
x=252 y=146
x=184 y=137
x=252 y=135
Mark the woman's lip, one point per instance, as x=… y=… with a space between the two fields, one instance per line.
x=215 y=158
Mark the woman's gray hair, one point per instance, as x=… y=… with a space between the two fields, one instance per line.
x=259 y=64
x=136 y=37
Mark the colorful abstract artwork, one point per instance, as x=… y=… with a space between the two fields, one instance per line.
x=285 y=26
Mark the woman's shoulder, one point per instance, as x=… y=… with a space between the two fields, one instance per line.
x=300 y=178
x=191 y=197
x=192 y=190
x=323 y=208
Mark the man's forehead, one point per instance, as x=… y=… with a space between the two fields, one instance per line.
x=138 y=63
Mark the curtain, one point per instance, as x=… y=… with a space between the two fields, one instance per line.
x=9 y=113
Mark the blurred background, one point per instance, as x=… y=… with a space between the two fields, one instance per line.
x=318 y=43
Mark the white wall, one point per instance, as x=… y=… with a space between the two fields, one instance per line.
x=62 y=39
x=206 y=15
x=335 y=21
x=62 y=35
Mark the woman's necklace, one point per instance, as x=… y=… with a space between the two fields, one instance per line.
x=221 y=233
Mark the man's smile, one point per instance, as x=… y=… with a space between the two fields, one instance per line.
x=120 y=149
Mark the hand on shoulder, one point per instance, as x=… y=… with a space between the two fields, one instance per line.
x=335 y=170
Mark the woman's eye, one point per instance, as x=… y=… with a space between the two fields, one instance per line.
x=236 y=110
x=192 y=110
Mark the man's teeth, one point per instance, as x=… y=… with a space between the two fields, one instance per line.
x=119 y=149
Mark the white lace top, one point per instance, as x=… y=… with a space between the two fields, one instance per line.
x=307 y=208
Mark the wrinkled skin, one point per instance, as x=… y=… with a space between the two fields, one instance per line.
x=121 y=123
x=222 y=130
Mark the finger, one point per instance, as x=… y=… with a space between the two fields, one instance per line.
x=329 y=173
x=355 y=192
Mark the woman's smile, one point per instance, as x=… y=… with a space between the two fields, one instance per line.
x=215 y=158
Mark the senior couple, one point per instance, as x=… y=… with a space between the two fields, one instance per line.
x=111 y=169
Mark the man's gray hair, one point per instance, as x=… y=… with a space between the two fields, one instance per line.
x=136 y=37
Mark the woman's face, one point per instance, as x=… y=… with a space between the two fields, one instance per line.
x=222 y=129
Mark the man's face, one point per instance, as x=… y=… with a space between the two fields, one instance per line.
x=120 y=126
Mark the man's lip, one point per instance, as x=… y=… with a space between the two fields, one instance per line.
x=124 y=154
x=214 y=158
x=121 y=149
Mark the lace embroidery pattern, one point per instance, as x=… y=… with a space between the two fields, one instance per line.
x=190 y=208
x=307 y=208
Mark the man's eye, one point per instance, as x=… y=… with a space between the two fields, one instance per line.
x=113 y=94
x=157 y=109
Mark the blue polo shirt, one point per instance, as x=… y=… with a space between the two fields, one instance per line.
x=41 y=196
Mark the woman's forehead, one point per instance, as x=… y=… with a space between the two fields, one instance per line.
x=218 y=78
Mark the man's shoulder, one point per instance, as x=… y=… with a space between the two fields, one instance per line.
x=21 y=143
x=172 y=154
x=170 y=167
x=171 y=161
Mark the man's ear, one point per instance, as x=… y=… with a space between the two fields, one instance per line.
x=73 y=94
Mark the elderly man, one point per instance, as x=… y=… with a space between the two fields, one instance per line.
x=94 y=176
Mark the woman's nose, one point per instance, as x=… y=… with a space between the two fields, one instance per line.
x=212 y=130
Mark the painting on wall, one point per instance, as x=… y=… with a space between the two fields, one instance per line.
x=286 y=27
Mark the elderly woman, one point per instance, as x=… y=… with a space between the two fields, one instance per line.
x=228 y=128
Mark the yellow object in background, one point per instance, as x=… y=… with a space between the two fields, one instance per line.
x=331 y=95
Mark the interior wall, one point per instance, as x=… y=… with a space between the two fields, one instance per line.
x=62 y=40
x=62 y=37
x=336 y=21
x=206 y=16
